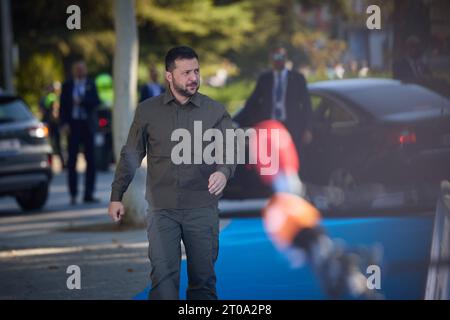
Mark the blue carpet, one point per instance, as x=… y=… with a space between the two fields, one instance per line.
x=249 y=267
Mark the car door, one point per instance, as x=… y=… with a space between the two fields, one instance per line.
x=338 y=139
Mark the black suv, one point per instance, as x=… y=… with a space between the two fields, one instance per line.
x=25 y=154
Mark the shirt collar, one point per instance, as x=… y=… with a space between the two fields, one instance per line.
x=168 y=97
x=282 y=72
x=81 y=84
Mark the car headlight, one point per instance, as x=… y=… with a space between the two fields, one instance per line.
x=40 y=131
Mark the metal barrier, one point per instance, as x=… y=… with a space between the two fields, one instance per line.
x=438 y=284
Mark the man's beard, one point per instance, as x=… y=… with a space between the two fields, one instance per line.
x=184 y=91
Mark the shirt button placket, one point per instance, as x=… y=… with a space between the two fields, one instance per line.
x=177 y=167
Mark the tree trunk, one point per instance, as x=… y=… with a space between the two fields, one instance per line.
x=7 y=45
x=125 y=84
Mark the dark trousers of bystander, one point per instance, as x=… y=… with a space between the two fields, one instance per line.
x=81 y=133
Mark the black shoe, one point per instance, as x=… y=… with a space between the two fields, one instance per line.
x=91 y=200
x=73 y=201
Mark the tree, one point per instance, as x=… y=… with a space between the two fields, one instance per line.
x=125 y=82
x=47 y=47
x=6 y=45
x=212 y=28
x=280 y=23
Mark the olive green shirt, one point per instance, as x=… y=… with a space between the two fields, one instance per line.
x=171 y=185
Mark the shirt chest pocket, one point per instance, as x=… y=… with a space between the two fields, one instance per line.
x=159 y=143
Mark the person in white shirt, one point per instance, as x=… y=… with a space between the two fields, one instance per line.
x=78 y=119
x=280 y=94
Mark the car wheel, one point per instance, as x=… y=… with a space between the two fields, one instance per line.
x=33 y=199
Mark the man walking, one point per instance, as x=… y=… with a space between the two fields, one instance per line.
x=78 y=118
x=183 y=198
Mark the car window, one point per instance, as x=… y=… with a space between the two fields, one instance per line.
x=387 y=100
x=14 y=111
x=320 y=108
x=338 y=114
x=326 y=110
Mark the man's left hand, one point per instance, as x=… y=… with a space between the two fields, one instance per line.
x=217 y=182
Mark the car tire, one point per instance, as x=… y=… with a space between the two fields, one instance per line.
x=33 y=199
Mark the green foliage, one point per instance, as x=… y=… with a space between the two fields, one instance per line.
x=233 y=95
x=213 y=30
x=40 y=25
x=235 y=34
x=39 y=71
x=320 y=49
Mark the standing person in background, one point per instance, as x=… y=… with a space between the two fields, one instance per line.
x=78 y=117
x=152 y=88
x=282 y=95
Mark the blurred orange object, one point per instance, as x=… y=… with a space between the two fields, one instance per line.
x=286 y=215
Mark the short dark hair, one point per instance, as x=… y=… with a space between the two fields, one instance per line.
x=181 y=52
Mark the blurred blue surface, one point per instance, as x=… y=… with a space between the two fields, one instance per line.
x=250 y=267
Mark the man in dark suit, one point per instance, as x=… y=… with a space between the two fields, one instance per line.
x=282 y=95
x=78 y=118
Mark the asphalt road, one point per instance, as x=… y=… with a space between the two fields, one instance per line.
x=37 y=248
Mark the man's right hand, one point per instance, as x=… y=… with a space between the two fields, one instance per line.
x=116 y=210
